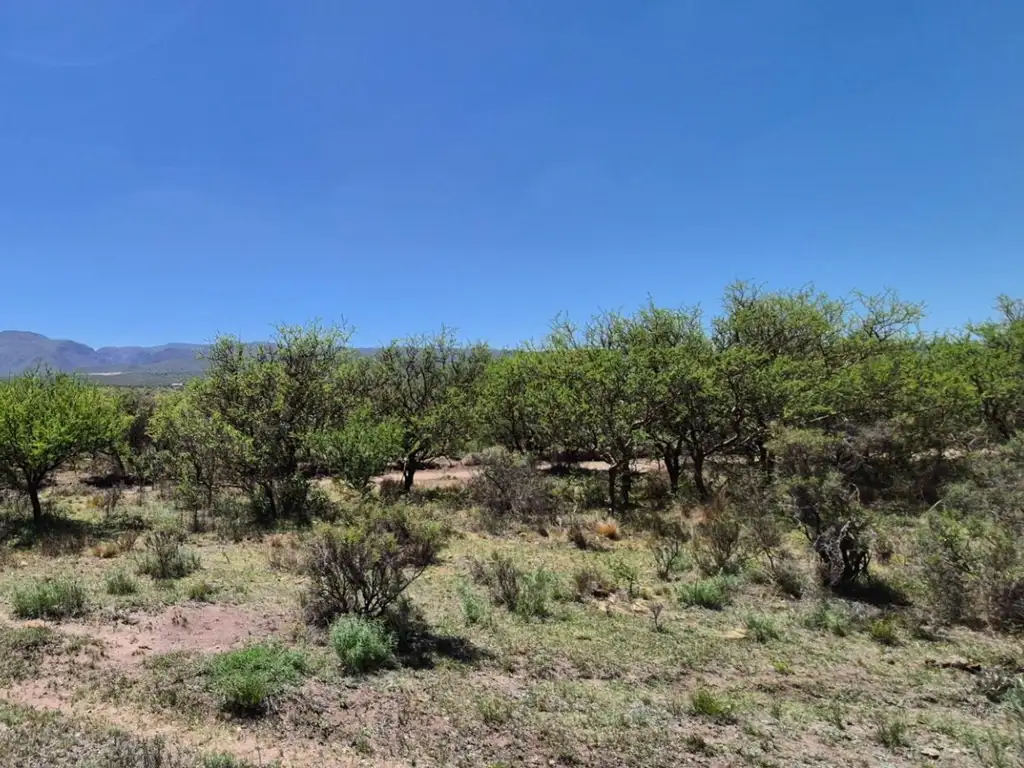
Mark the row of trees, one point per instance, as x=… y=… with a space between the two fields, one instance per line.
x=854 y=374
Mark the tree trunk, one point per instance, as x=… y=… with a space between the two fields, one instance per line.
x=627 y=485
x=698 y=475
x=409 y=472
x=672 y=466
x=613 y=472
x=37 y=507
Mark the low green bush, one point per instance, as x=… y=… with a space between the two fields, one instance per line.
x=362 y=645
x=49 y=599
x=247 y=679
x=713 y=593
x=121 y=583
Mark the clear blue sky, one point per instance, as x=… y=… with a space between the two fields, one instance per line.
x=170 y=169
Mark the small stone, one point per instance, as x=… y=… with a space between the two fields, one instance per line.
x=930 y=753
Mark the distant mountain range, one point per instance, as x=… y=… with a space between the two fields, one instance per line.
x=125 y=366
x=21 y=350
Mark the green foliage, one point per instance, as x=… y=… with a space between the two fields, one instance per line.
x=885 y=631
x=163 y=556
x=62 y=598
x=201 y=591
x=714 y=706
x=528 y=594
x=762 y=628
x=362 y=645
x=121 y=583
x=46 y=421
x=270 y=405
x=474 y=610
x=364 y=565
x=426 y=385
x=713 y=593
x=668 y=547
x=830 y=617
x=360 y=449
x=626 y=574
x=248 y=678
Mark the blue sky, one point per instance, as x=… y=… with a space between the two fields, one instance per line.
x=177 y=168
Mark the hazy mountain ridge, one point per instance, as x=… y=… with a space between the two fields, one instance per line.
x=22 y=350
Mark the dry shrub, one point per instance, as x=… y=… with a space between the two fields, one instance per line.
x=588 y=581
x=363 y=566
x=511 y=489
x=719 y=545
x=284 y=552
x=668 y=547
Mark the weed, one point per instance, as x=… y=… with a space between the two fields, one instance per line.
x=891 y=732
x=201 y=591
x=627 y=574
x=474 y=610
x=50 y=599
x=830 y=617
x=121 y=583
x=589 y=582
x=248 y=678
x=884 y=631
x=164 y=557
x=668 y=549
x=713 y=706
x=494 y=710
x=763 y=629
x=362 y=645
x=713 y=593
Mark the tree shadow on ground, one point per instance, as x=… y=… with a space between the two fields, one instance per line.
x=875 y=591
x=418 y=646
x=58 y=535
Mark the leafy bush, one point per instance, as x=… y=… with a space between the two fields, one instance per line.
x=248 y=678
x=719 y=544
x=474 y=610
x=362 y=645
x=49 y=599
x=763 y=628
x=121 y=583
x=362 y=567
x=164 y=557
x=509 y=488
x=713 y=593
x=707 y=703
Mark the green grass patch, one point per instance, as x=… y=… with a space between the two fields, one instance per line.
x=248 y=678
x=713 y=593
x=49 y=599
x=713 y=706
x=121 y=583
x=762 y=628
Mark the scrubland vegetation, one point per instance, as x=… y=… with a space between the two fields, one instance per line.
x=790 y=534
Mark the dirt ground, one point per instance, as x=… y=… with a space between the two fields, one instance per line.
x=620 y=670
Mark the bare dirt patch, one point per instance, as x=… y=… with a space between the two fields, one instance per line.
x=207 y=628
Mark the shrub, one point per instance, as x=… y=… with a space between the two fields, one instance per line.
x=248 y=678
x=50 y=599
x=608 y=529
x=763 y=628
x=528 y=594
x=474 y=610
x=164 y=557
x=788 y=578
x=284 y=552
x=713 y=593
x=718 y=542
x=707 y=703
x=121 y=583
x=364 y=566
x=588 y=582
x=362 y=645
x=511 y=489
x=884 y=631
x=668 y=548
x=891 y=732
x=843 y=552
x=830 y=617
x=626 y=573
x=201 y=591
